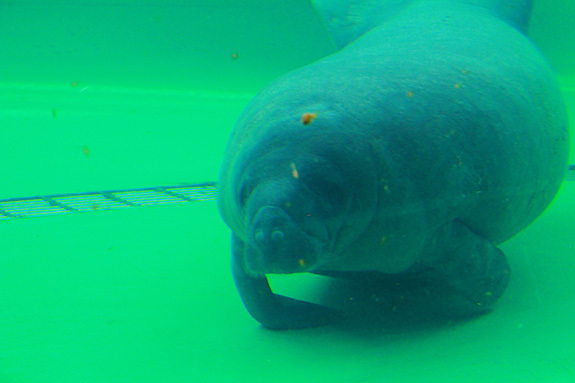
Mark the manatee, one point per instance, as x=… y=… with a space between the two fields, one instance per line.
x=436 y=132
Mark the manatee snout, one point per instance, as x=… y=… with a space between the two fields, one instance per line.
x=277 y=245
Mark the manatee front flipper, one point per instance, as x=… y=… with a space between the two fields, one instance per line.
x=469 y=263
x=272 y=310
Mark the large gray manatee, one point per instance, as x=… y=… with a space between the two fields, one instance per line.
x=437 y=132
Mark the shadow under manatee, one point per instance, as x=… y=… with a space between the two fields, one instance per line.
x=396 y=304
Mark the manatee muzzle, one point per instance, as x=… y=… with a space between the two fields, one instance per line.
x=277 y=245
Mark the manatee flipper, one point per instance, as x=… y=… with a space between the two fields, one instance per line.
x=272 y=310
x=470 y=264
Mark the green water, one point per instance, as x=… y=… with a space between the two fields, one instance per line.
x=132 y=94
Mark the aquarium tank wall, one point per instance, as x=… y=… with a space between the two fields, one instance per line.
x=114 y=261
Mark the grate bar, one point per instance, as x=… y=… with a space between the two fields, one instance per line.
x=55 y=203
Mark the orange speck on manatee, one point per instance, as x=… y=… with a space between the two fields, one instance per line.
x=301 y=262
x=409 y=93
x=235 y=56
x=383 y=240
x=74 y=84
x=307 y=118
x=294 y=171
x=457 y=86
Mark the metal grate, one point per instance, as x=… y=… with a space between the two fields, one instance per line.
x=105 y=200
x=570 y=173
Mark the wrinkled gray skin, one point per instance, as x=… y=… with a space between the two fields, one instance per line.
x=439 y=134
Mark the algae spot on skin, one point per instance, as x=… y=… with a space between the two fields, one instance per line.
x=294 y=171
x=382 y=241
x=307 y=118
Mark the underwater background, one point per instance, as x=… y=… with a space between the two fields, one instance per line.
x=142 y=96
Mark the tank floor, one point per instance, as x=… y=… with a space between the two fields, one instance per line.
x=145 y=295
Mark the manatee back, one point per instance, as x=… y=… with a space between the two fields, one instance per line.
x=474 y=103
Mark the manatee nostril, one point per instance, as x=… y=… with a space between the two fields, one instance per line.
x=277 y=235
x=259 y=236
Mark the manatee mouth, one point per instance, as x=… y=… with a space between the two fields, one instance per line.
x=277 y=245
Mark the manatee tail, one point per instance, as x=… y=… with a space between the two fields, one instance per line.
x=346 y=20
x=514 y=12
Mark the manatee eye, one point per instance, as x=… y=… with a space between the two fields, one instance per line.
x=330 y=193
x=245 y=191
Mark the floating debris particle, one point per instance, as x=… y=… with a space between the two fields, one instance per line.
x=86 y=151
